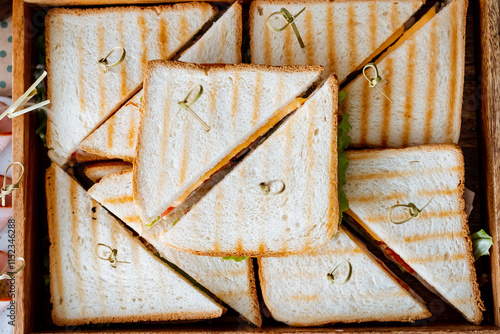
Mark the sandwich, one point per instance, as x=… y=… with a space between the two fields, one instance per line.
x=100 y=273
x=198 y=117
x=233 y=282
x=117 y=137
x=341 y=282
x=82 y=47
x=411 y=203
x=423 y=75
x=97 y=170
x=280 y=200
x=340 y=35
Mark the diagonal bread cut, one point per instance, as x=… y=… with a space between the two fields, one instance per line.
x=297 y=291
x=435 y=246
x=297 y=213
x=87 y=289
x=424 y=77
x=83 y=95
x=175 y=153
x=232 y=282
x=340 y=35
x=117 y=137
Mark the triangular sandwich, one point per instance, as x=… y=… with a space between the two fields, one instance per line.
x=280 y=200
x=411 y=201
x=299 y=291
x=100 y=273
x=424 y=78
x=340 y=35
x=83 y=91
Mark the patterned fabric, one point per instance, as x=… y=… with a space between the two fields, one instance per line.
x=6 y=57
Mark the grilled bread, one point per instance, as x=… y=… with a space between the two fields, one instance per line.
x=233 y=282
x=436 y=243
x=340 y=35
x=298 y=211
x=424 y=77
x=86 y=288
x=96 y=171
x=82 y=93
x=117 y=137
x=237 y=102
x=297 y=291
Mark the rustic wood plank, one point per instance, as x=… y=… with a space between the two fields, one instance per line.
x=490 y=116
x=21 y=143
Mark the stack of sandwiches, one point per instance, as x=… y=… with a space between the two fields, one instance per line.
x=211 y=179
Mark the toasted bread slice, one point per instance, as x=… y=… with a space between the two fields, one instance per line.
x=298 y=292
x=340 y=35
x=424 y=78
x=85 y=288
x=300 y=211
x=117 y=137
x=96 y=171
x=232 y=282
x=83 y=95
x=435 y=244
x=238 y=102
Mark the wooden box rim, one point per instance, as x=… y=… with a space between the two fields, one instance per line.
x=489 y=14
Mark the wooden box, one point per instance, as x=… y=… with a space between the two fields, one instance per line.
x=480 y=140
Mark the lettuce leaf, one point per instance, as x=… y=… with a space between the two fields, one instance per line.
x=481 y=243
x=343 y=142
x=235 y=258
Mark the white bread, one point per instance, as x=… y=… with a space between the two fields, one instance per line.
x=340 y=35
x=424 y=77
x=297 y=291
x=236 y=218
x=117 y=137
x=436 y=244
x=174 y=151
x=232 y=282
x=86 y=289
x=82 y=94
x=96 y=171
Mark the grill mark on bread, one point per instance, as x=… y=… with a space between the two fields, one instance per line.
x=81 y=76
x=75 y=213
x=111 y=131
x=304 y=297
x=267 y=47
x=386 y=104
x=222 y=45
x=450 y=119
x=433 y=236
x=212 y=105
x=309 y=42
x=401 y=196
x=185 y=145
x=423 y=215
x=256 y=100
x=183 y=27
x=118 y=199
x=234 y=96
x=123 y=67
x=288 y=47
x=131 y=133
x=144 y=48
x=351 y=33
x=241 y=199
x=218 y=213
x=94 y=234
x=332 y=56
x=310 y=159
x=101 y=80
x=436 y=258
x=431 y=91
x=163 y=39
x=374 y=22
x=401 y=173
x=363 y=122
x=407 y=117
x=165 y=131
x=132 y=219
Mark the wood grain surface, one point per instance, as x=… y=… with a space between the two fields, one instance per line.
x=56 y=3
x=481 y=96
x=490 y=116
